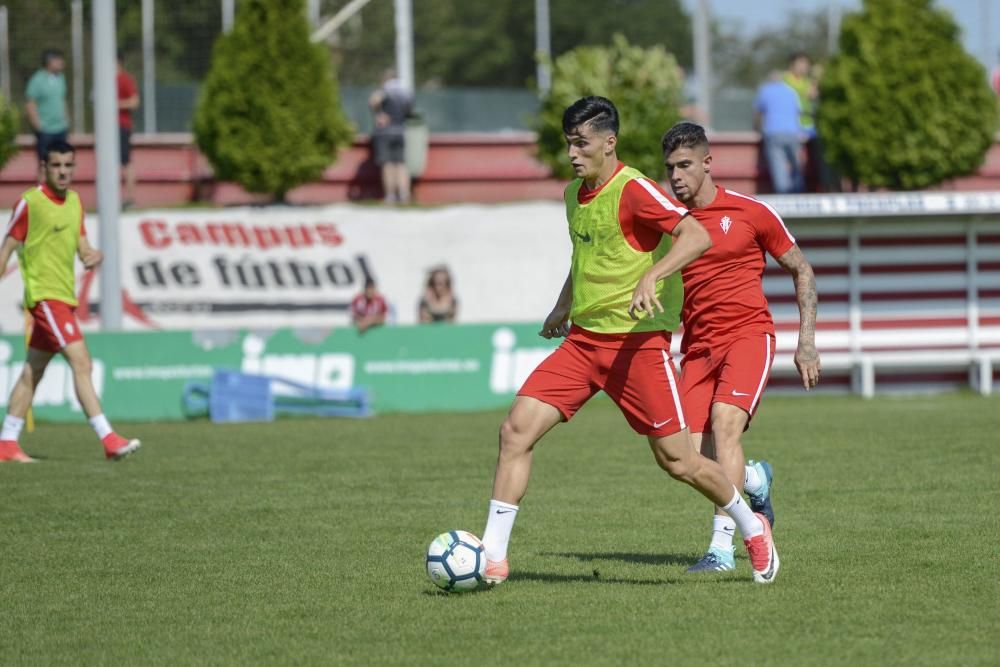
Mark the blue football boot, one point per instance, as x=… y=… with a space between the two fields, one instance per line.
x=716 y=560
x=761 y=500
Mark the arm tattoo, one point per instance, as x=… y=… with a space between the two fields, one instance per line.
x=796 y=264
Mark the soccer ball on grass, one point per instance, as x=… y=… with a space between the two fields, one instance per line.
x=456 y=561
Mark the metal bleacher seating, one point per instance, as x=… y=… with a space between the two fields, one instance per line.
x=903 y=306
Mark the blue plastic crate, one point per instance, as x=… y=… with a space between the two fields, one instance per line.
x=234 y=396
x=240 y=397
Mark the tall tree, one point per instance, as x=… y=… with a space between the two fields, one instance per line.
x=645 y=85
x=903 y=106
x=8 y=130
x=269 y=113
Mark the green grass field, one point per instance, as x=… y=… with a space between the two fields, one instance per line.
x=302 y=542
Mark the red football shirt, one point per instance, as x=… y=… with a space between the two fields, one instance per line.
x=723 y=292
x=645 y=211
x=126 y=89
x=362 y=306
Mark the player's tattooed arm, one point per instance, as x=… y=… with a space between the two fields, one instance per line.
x=806 y=356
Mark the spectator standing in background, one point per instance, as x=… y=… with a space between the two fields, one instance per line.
x=438 y=303
x=804 y=80
x=777 y=112
x=368 y=309
x=128 y=101
x=391 y=105
x=46 y=107
x=799 y=77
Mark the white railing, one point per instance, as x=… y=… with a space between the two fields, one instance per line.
x=909 y=286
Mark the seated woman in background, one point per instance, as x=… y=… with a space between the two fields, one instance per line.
x=438 y=304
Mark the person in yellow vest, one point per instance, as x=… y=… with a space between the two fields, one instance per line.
x=797 y=76
x=616 y=310
x=47 y=231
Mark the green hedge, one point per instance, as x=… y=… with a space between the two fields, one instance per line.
x=269 y=114
x=9 y=126
x=902 y=105
x=644 y=84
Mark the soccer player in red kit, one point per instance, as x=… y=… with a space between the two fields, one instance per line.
x=47 y=232
x=616 y=310
x=728 y=342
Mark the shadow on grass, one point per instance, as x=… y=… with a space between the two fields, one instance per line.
x=628 y=557
x=440 y=593
x=597 y=578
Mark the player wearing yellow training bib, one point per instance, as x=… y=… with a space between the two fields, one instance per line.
x=616 y=309
x=47 y=232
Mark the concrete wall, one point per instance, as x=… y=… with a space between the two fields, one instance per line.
x=460 y=168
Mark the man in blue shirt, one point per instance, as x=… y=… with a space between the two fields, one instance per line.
x=776 y=116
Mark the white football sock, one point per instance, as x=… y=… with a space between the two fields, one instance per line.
x=723 y=529
x=751 y=480
x=11 y=428
x=746 y=521
x=101 y=426
x=499 y=523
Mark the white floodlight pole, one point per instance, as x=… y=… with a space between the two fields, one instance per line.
x=148 y=67
x=404 y=43
x=76 y=44
x=228 y=13
x=106 y=134
x=986 y=34
x=832 y=27
x=703 y=58
x=4 y=54
x=543 y=46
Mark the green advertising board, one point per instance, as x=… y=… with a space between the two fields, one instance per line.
x=440 y=367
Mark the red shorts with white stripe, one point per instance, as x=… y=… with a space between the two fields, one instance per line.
x=55 y=326
x=635 y=370
x=735 y=373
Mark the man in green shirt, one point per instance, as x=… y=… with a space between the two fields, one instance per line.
x=46 y=106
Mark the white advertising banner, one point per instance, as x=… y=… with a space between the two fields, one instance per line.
x=270 y=267
x=274 y=267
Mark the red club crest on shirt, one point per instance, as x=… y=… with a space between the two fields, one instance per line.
x=726 y=223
